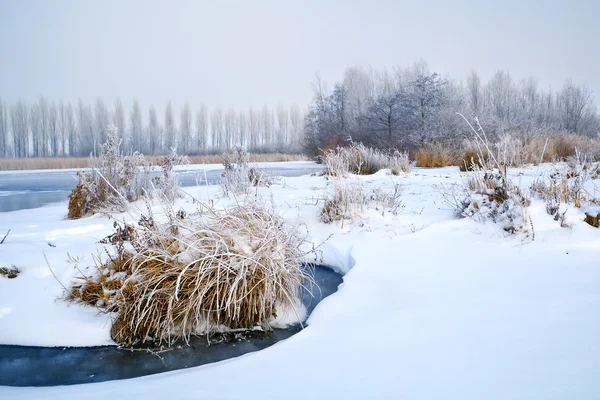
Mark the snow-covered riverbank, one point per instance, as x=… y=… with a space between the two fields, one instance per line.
x=431 y=306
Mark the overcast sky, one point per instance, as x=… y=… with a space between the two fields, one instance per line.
x=254 y=52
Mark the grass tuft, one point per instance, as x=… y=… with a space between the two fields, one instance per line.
x=10 y=272
x=208 y=272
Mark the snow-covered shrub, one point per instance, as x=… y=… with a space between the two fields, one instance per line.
x=361 y=160
x=568 y=184
x=234 y=178
x=10 y=272
x=113 y=181
x=490 y=195
x=237 y=177
x=168 y=182
x=348 y=200
x=197 y=274
x=386 y=201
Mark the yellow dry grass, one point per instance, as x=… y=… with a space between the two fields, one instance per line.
x=9 y=164
x=232 y=269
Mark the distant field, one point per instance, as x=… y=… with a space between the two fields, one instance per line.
x=82 y=162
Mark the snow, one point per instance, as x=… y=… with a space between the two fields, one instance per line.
x=431 y=306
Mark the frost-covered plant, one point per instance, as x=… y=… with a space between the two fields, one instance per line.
x=567 y=186
x=361 y=160
x=489 y=196
x=348 y=200
x=168 y=182
x=208 y=272
x=237 y=177
x=113 y=181
x=488 y=193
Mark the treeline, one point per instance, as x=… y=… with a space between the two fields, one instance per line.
x=48 y=129
x=410 y=107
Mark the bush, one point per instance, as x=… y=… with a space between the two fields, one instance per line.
x=113 y=181
x=10 y=272
x=434 y=156
x=232 y=269
x=488 y=193
x=116 y=179
x=361 y=160
x=348 y=200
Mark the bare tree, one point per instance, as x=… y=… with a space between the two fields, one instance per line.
x=230 y=126
x=101 y=121
x=474 y=93
x=36 y=126
x=267 y=127
x=135 y=127
x=4 y=150
x=170 y=139
x=242 y=129
x=283 y=126
x=119 y=121
x=575 y=105
x=20 y=129
x=185 y=129
x=296 y=126
x=84 y=140
x=253 y=128
x=216 y=129
x=53 y=129
x=153 y=131
x=201 y=129
x=70 y=130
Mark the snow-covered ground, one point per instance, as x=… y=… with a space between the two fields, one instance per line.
x=432 y=306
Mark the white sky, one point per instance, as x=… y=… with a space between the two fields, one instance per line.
x=242 y=53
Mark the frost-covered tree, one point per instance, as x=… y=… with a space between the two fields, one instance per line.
x=135 y=128
x=217 y=129
x=4 y=149
x=153 y=131
x=119 y=121
x=185 y=129
x=170 y=138
x=19 y=120
x=201 y=129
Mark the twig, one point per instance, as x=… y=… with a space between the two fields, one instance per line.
x=4 y=238
x=55 y=277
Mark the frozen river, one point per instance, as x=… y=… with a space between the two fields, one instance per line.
x=20 y=190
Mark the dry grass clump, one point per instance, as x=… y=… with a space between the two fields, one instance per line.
x=232 y=269
x=490 y=195
x=435 y=156
x=10 y=272
x=361 y=160
x=115 y=180
x=592 y=220
x=346 y=201
x=487 y=192
x=471 y=161
x=349 y=199
x=567 y=186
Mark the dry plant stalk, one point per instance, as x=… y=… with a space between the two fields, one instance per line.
x=199 y=274
x=361 y=160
